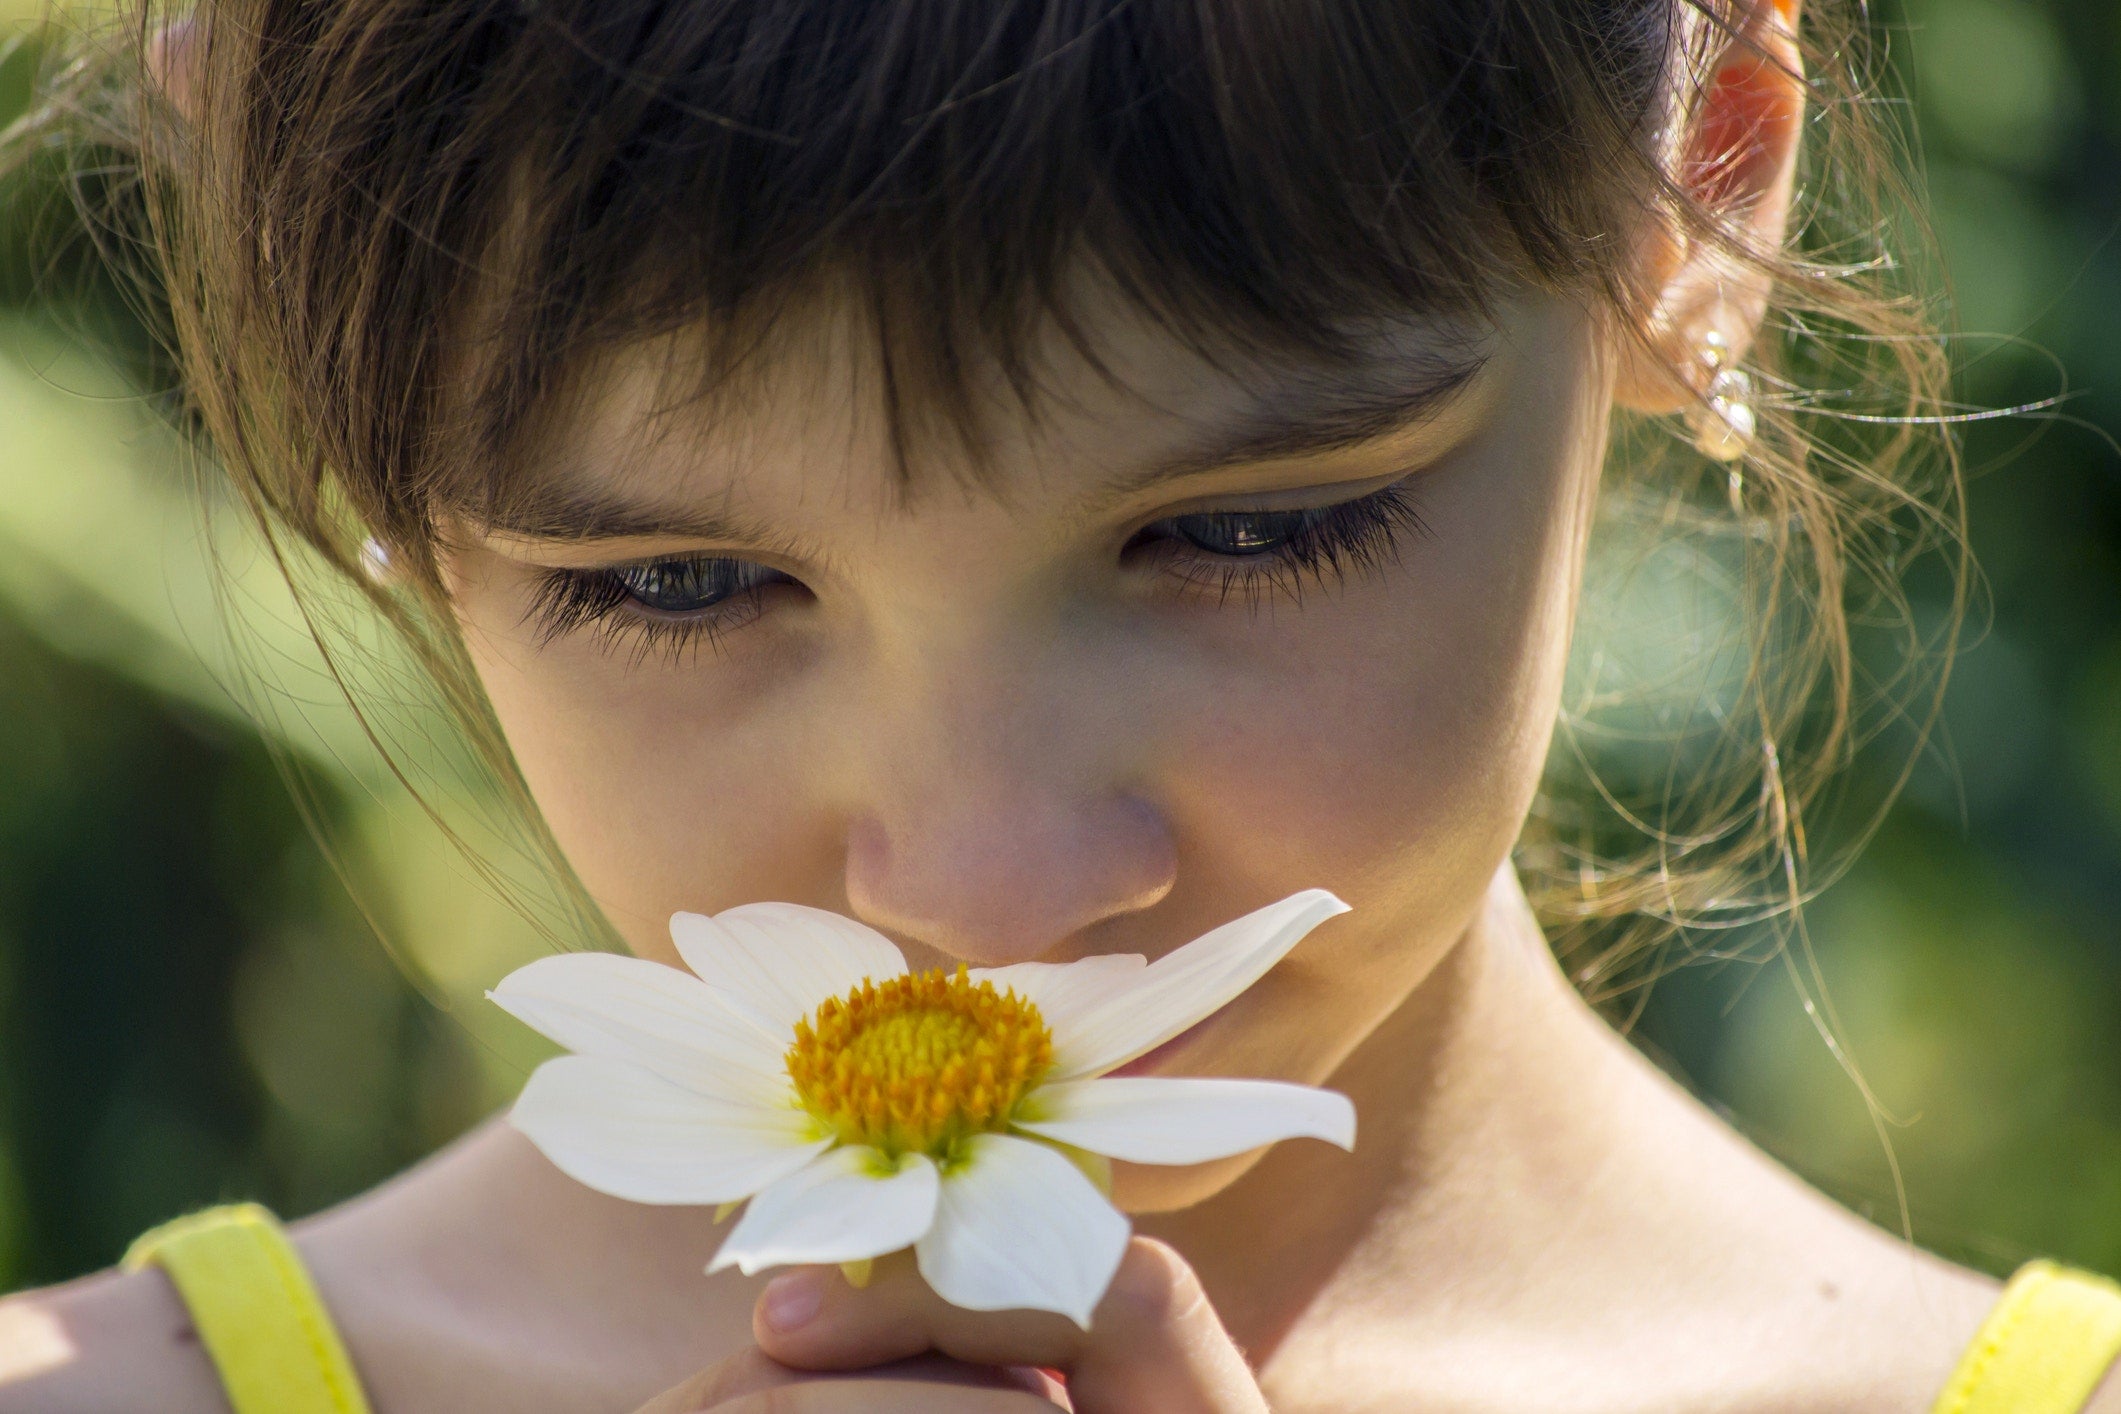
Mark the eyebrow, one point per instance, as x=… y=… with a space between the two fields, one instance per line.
x=572 y=513
x=1317 y=418
x=1325 y=415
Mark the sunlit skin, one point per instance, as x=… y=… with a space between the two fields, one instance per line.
x=1003 y=712
x=987 y=728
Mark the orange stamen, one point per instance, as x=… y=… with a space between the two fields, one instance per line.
x=919 y=1063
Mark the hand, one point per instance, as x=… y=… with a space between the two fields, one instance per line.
x=1155 y=1345
x=751 y=1383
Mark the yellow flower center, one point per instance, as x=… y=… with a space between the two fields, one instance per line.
x=920 y=1062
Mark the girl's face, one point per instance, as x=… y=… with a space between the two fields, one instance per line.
x=1193 y=638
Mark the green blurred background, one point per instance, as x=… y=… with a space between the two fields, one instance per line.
x=192 y=1006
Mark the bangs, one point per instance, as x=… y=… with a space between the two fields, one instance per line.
x=432 y=214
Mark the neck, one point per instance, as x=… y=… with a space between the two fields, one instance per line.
x=1485 y=1100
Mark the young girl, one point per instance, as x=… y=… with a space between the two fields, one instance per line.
x=1044 y=477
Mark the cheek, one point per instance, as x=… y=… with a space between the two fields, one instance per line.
x=1393 y=745
x=652 y=825
x=663 y=792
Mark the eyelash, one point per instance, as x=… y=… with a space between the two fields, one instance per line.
x=1315 y=546
x=601 y=599
x=1322 y=547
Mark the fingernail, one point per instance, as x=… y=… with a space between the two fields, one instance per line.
x=792 y=1300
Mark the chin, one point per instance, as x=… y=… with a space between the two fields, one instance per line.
x=1164 y=1188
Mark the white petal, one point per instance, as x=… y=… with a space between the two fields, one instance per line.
x=1063 y=991
x=1154 y=1120
x=625 y=1131
x=782 y=959
x=850 y=1203
x=1183 y=986
x=1020 y=1228
x=665 y=1019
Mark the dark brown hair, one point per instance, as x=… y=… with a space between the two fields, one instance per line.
x=387 y=235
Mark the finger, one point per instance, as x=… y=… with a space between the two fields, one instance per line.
x=752 y=1379
x=876 y=1396
x=747 y=1372
x=1154 y=1342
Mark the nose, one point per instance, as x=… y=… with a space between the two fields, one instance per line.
x=1002 y=804
x=991 y=877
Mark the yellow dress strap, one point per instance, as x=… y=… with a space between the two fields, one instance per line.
x=2044 y=1348
x=256 y=1311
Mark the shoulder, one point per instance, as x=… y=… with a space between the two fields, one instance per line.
x=1897 y=1324
x=113 y=1340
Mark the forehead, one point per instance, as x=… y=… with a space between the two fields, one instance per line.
x=1115 y=401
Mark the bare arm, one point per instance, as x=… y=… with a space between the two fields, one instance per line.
x=114 y=1340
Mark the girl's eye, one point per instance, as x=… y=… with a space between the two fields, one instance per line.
x=677 y=603
x=1244 y=532
x=690 y=585
x=667 y=605
x=1252 y=552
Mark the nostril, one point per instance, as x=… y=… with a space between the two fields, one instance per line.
x=991 y=890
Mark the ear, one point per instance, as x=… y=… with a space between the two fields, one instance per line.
x=1737 y=162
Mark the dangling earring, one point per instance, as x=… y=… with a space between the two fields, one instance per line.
x=1723 y=422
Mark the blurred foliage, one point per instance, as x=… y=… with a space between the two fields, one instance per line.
x=1970 y=964
x=193 y=1005
x=192 y=1008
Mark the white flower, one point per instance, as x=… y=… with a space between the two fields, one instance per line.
x=864 y=1109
